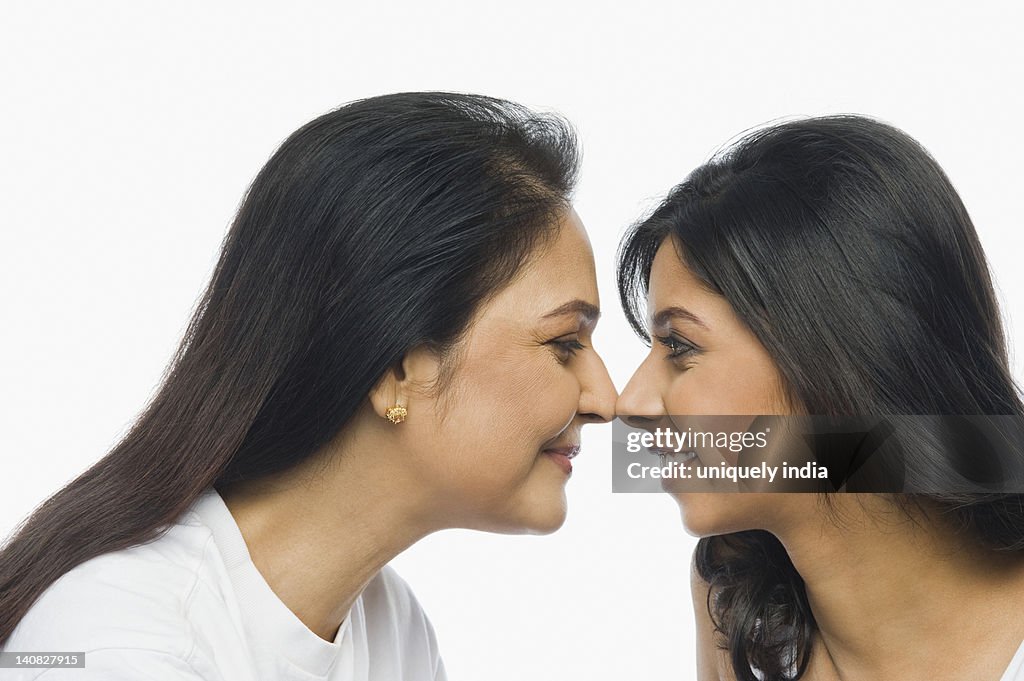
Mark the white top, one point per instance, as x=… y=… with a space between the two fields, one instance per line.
x=191 y=605
x=1015 y=672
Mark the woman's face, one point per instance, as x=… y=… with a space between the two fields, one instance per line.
x=704 y=361
x=497 y=444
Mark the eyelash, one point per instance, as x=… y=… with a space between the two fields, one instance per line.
x=568 y=347
x=676 y=348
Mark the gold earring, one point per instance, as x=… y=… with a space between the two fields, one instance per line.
x=396 y=414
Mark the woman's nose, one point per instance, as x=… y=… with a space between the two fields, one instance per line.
x=640 y=402
x=598 y=396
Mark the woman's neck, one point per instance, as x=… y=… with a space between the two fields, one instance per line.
x=894 y=597
x=319 y=532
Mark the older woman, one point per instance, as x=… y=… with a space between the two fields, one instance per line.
x=396 y=340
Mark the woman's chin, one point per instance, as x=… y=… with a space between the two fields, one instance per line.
x=545 y=517
x=705 y=514
x=539 y=508
x=547 y=526
x=537 y=516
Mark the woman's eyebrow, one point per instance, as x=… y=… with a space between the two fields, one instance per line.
x=663 y=316
x=588 y=311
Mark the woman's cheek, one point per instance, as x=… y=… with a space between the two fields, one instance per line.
x=556 y=400
x=680 y=398
x=527 y=384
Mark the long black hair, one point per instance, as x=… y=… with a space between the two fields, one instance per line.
x=845 y=249
x=373 y=229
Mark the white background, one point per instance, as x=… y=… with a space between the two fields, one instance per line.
x=131 y=129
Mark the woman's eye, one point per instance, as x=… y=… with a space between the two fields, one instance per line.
x=565 y=349
x=676 y=348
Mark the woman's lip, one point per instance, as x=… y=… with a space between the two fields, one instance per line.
x=563 y=456
x=569 y=451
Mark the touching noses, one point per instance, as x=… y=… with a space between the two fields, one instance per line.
x=640 y=401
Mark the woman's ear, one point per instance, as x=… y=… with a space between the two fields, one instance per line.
x=407 y=383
